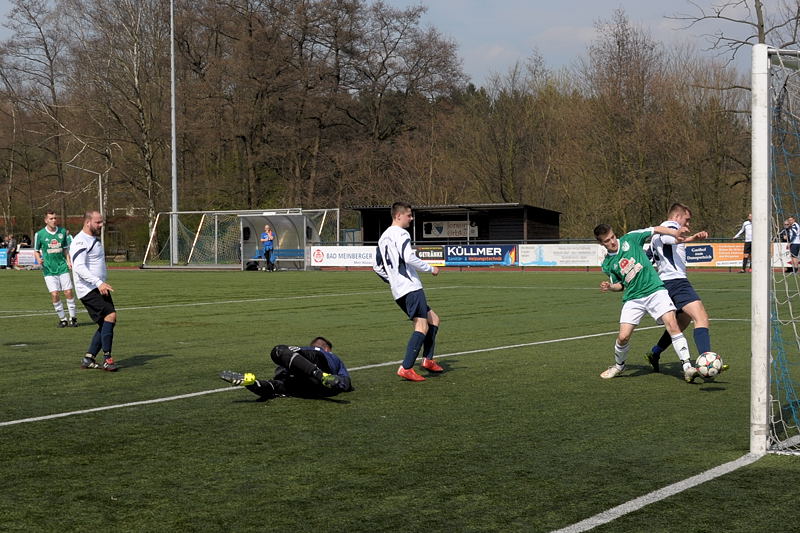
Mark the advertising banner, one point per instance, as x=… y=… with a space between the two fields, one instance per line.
x=533 y=255
x=3 y=256
x=449 y=229
x=433 y=255
x=26 y=258
x=714 y=254
x=780 y=255
x=342 y=256
x=561 y=255
x=485 y=254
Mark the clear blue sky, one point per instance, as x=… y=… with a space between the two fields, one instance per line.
x=494 y=34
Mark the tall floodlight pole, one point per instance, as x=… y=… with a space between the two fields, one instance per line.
x=173 y=220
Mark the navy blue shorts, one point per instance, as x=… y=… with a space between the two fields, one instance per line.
x=681 y=292
x=748 y=247
x=794 y=250
x=414 y=304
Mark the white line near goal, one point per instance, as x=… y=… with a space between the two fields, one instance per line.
x=584 y=525
x=224 y=389
x=658 y=495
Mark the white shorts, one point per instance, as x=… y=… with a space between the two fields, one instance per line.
x=657 y=304
x=62 y=282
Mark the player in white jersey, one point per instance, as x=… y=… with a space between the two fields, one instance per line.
x=670 y=258
x=397 y=264
x=89 y=270
x=747 y=230
x=793 y=236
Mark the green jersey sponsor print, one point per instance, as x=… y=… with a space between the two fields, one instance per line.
x=52 y=247
x=631 y=266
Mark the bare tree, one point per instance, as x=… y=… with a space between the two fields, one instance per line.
x=741 y=23
x=36 y=54
x=622 y=79
x=121 y=70
x=397 y=60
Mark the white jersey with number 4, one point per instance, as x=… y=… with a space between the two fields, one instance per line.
x=669 y=254
x=396 y=262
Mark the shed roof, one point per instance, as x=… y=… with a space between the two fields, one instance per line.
x=452 y=207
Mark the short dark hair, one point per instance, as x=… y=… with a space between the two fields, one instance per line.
x=89 y=214
x=678 y=207
x=49 y=212
x=397 y=207
x=601 y=229
x=323 y=339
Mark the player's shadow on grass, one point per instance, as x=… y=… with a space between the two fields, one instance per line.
x=140 y=360
x=259 y=399
x=675 y=369
x=711 y=386
x=446 y=364
x=634 y=371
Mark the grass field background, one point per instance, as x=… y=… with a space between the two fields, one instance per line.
x=519 y=433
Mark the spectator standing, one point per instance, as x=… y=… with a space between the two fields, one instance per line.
x=11 y=242
x=267 y=245
x=4 y=244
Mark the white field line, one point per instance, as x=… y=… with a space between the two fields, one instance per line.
x=31 y=313
x=118 y=406
x=223 y=302
x=365 y=367
x=658 y=495
x=584 y=525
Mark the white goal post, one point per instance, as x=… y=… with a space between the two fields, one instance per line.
x=759 y=297
x=775 y=292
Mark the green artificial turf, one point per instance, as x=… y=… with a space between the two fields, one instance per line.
x=518 y=434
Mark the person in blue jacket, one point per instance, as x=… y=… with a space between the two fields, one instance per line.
x=267 y=245
x=306 y=372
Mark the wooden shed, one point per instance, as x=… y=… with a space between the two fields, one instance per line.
x=466 y=223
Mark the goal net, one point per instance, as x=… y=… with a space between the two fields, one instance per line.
x=782 y=284
x=205 y=239
x=230 y=239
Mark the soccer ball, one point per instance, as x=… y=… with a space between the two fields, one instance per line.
x=709 y=365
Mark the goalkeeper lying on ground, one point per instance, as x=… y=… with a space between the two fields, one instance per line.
x=306 y=372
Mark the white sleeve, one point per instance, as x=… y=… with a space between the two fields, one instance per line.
x=410 y=257
x=740 y=232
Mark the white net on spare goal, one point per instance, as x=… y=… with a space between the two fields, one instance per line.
x=229 y=239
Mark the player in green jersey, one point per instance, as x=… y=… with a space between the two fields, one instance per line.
x=631 y=272
x=51 y=245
